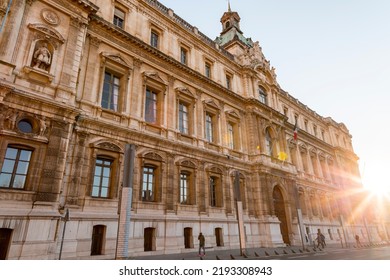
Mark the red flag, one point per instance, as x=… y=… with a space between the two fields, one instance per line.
x=295 y=131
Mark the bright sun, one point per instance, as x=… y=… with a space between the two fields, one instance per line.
x=376 y=184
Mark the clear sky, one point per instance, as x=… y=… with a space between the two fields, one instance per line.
x=334 y=56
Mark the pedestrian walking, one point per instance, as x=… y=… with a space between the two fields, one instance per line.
x=320 y=240
x=201 y=244
x=357 y=238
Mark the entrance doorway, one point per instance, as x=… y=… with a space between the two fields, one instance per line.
x=188 y=239
x=97 y=245
x=5 y=241
x=280 y=211
x=219 y=237
x=149 y=239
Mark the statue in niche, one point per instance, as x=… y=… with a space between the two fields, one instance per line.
x=42 y=57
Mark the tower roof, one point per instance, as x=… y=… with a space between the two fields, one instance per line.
x=231 y=31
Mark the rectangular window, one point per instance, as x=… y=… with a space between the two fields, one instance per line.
x=230 y=136
x=148 y=183
x=184 y=188
x=111 y=89
x=119 y=18
x=183 y=118
x=213 y=192
x=209 y=128
x=262 y=96
x=15 y=168
x=151 y=107
x=228 y=81
x=207 y=70
x=154 y=39
x=183 y=56
x=102 y=178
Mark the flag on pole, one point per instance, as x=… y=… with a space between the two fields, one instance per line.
x=295 y=131
x=282 y=156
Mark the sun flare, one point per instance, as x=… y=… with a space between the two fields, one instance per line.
x=376 y=186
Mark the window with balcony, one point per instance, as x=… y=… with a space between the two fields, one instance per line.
x=209 y=127
x=149 y=183
x=183 y=118
x=115 y=76
x=215 y=191
x=151 y=106
x=111 y=90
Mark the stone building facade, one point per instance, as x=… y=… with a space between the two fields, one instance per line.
x=81 y=80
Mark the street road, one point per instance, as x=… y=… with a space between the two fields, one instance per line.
x=372 y=253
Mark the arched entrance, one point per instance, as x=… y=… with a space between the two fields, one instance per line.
x=280 y=211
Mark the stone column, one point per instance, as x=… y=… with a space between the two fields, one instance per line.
x=228 y=194
x=90 y=72
x=53 y=165
x=66 y=90
x=266 y=196
x=76 y=172
x=171 y=193
x=202 y=184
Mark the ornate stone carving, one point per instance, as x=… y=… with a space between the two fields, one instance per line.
x=7 y=117
x=153 y=156
x=44 y=32
x=188 y=163
x=94 y=41
x=42 y=57
x=50 y=17
x=109 y=146
x=137 y=63
x=77 y=22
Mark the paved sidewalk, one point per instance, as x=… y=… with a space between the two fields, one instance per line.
x=250 y=253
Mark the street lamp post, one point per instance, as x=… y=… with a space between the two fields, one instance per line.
x=66 y=219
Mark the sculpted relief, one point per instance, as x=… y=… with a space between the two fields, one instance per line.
x=42 y=57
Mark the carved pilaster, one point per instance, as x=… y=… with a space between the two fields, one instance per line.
x=94 y=41
x=171 y=183
x=137 y=63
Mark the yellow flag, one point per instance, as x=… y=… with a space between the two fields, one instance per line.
x=282 y=156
